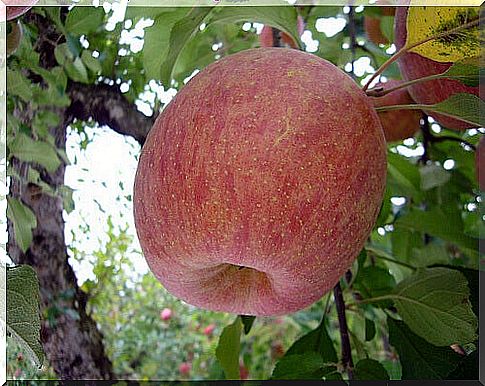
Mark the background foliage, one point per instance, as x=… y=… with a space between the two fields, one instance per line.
x=412 y=292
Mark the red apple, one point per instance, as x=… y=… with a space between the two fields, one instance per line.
x=277 y=350
x=414 y=66
x=479 y=162
x=266 y=35
x=16 y=8
x=209 y=329
x=397 y=124
x=372 y=25
x=166 y=314
x=243 y=371
x=260 y=182
x=184 y=368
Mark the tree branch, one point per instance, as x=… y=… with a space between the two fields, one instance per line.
x=344 y=332
x=108 y=106
x=276 y=37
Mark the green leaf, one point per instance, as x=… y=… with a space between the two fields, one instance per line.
x=23 y=220
x=283 y=18
x=466 y=73
x=373 y=282
x=387 y=27
x=403 y=176
x=247 y=322
x=26 y=149
x=435 y=304
x=63 y=54
x=83 y=20
x=432 y=176
x=464 y=106
x=23 y=318
x=308 y=365
x=158 y=40
x=91 y=62
x=317 y=341
x=370 y=369
x=183 y=30
x=472 y=277
x=228 y=348
x=370 y=329
x=436 y=223
x=420 y=359
x=18 y=85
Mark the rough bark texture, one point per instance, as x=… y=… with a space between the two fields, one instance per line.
x=107 y=106
x=71 y=340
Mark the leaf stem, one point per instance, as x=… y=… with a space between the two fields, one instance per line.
x=409 y=47
x=402 y=263
x=423 y=107
x=344 y=332
x=380 y=92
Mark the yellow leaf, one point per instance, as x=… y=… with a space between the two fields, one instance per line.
x=426 y=21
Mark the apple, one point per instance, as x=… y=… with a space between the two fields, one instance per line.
x=209 y=329
x=479 y=160
x=414 y=66
x=184 y=368
x=166 y=314
x=397 y=124
x=16 y=8
x=260 y=182
x=372 y=25
x=277 y=350
x=243 y=371
x=266 y=35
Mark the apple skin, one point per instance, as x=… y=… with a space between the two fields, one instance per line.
x=414 y=66
x=266 y=35
x=479 y=160
x=166 y=314
x=372 y=25
x=397 y=124
x=258 y=185
x=184 y=368
x=209 y=329
x=16 y=8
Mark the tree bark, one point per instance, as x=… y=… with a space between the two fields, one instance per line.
x=70 y=337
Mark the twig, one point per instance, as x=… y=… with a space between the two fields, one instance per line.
x=353 y=39
x=344 y=332
x=276 y=37
x=427 y=136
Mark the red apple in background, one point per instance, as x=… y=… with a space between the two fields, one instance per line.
x=277 y=350
x=397 y=124
x=260 y=182
x=266 y=35
x=479 y=163
x=209 y=329
x=372 y=24
x=166 y=314
x=243 y=371
x=184 y=368
x=414 y=66
x=16 y=8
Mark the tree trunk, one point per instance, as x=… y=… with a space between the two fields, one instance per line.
x=70 y=337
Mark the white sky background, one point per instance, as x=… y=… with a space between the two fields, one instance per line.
x=96 y=173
